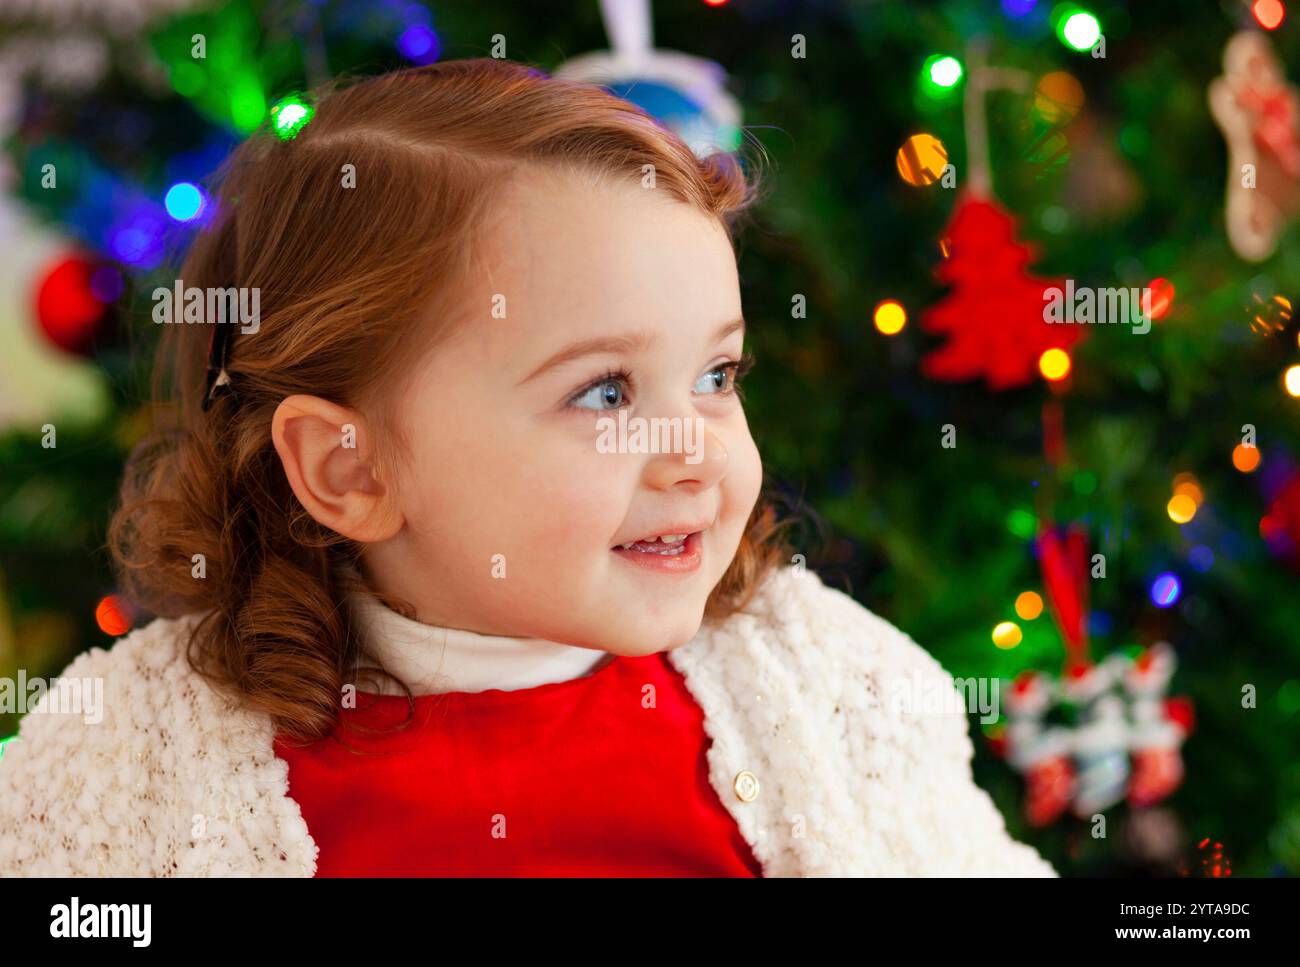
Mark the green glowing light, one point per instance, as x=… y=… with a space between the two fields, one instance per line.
x=944 y=71
x=1080 y=30
x=1022 y=523
x=289 y=116
x=247 y=102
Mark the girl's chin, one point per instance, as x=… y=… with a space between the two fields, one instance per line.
x=636 y=636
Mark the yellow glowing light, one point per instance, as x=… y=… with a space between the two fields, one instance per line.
x=890 y=317
x=1058 y=97
x=1270 y=315
x=921 y=160
x=1245 y=458
x=1007 y=634
x=1181 y=508
x=1187 y=485
x=1029 y=605
x=1291 y=379
x=1054 y=364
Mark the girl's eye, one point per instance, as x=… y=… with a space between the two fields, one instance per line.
x=717 y=381
x=724 y=379
x=607 y=393
x=611 y=391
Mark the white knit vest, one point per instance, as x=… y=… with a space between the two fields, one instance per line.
x=823 y=775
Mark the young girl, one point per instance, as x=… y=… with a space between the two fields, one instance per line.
x=418 y=614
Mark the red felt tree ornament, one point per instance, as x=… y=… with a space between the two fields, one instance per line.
x=994 y=317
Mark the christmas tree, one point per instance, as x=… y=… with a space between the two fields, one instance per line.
x=1105 y=512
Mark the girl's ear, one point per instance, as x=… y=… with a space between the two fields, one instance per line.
x=329 y=457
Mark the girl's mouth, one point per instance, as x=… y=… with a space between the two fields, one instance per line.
x=673 y=553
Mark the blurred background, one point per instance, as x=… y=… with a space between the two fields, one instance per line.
x=1107 y=521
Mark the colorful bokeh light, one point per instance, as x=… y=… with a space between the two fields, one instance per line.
x=1245 y=458
x=184 y=201
x=1165 y=590
x=1029 y=605
x=289 y=116
x=1269 y=14
x=944 y=71
x=890 y=317
x=1054 y=364
x=1079 y=29
x=1007 y=634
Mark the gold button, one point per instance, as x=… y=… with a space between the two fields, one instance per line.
x=746 y=786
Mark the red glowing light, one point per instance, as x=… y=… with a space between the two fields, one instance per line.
x=1269 y=13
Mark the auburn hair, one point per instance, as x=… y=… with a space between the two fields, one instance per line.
x=344 y=277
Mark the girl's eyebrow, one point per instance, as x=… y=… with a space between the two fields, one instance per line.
x=626 y=344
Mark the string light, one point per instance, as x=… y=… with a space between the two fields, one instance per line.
x=1245 y=458
x=1165 y=590
x=1029 y=605
x=1162 y=297
x=419 y=44
x=943 y=71
x=1214 y=862
x=1054 y=364
x=1007 y=634
x=1181 y=508
x=1078 y=29
x=1022 y=523
x=184 y=201
x=921 y=159
x=1187 y=484
x=890 y=317
x=1270 y=315
x=1058 y=97
x=1291 y=380
x=1269 y=13
x=113 y=615
x=289 y=116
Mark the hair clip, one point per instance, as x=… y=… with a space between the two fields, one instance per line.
x=218 y=379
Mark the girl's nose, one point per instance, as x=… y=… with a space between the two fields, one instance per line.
x=701 y=465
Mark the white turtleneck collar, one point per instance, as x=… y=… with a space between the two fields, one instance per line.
x=432 y=659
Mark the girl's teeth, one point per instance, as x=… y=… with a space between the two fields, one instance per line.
x=669 y=545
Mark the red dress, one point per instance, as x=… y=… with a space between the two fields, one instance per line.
x=585 y=777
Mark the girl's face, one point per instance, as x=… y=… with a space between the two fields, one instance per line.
x=519 y=489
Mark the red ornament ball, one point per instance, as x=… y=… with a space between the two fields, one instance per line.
x=68 y=310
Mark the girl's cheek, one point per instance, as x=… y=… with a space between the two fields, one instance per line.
x=584 y=499
x=745 y=473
